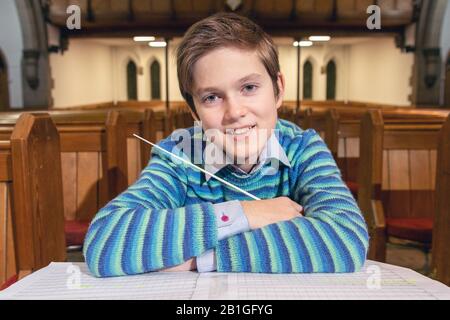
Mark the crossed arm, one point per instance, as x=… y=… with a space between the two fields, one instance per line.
x=147 y=228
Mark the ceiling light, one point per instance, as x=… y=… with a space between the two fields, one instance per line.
x=157 y=44
x=303 y=43
x=143 y=38
x=319 y=38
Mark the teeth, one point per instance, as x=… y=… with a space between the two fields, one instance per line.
x=239 y=131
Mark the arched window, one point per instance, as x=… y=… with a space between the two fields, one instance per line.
x=131 y=81
x=307 y=80
x=155 y=80
x=4 y=96
x=331 y=80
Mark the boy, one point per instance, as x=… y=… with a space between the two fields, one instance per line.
x=177 y=218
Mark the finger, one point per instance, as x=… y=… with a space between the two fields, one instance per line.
x=297 y=210
x=297 y=207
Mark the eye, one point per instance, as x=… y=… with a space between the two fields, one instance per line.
x=249 y=88
x=210 y=99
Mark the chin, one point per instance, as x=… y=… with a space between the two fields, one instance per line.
x=246 y=158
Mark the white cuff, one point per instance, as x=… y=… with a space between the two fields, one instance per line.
x=206 y=262
x=231 y=219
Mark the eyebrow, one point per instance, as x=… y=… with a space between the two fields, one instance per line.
x=251 y=76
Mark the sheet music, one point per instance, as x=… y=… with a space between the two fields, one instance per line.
x=375 y=281
x=73 y=281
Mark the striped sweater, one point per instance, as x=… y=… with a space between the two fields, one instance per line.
x=167 y=217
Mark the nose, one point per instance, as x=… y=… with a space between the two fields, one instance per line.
x=234 y=110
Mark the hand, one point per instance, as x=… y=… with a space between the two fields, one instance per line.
x=189 y=265
x=264 y=212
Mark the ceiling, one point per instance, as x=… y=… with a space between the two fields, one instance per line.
x=171 y=18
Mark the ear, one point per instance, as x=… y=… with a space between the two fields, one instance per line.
x=281 y=88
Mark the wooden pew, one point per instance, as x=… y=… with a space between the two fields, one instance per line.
x=151 y=125
x=287 y=113
x=92 y=144
x=8 y=267
x=441 y=227
x=396 y=180
x=340 y=131
x=181 y=118
x=136 y=121
x=31 y=199
x=94 y=166
x=297 y=117
x=94 y=163
x=340 y=139
x=148 y=123
x=326 y=125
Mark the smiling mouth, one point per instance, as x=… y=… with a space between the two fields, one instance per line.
x=240 y=131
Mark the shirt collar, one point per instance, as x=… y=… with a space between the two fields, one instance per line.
x=272 y=151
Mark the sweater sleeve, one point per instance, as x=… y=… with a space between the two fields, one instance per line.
x=147 y=227
x=331 y=237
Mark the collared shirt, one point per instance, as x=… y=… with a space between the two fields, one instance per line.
x=272 y=151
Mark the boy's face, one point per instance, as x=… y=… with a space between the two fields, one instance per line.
x=233 y=90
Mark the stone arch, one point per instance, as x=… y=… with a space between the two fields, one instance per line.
x=429 y=58
x=35 y=56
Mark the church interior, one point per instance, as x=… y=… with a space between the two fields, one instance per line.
x=79 y=77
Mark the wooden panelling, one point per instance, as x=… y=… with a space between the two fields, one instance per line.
x=422 y=203
x=38 y=218
x=353 y=8
x=5 y=165
x=385 y=184
x=398 y=164
x=433 y=163
x=341 y=148
x=407 y=172
x=420 y=170
x=272 y=9
x=369 y=182
x=87 y=188
x=82 y=141
x=69 y=174
x=110 y=9
x=285 y=17
x=351 y=168
x=7 y=255
x=441 y=227
x=315 y=8
x=134 y=159
x=352 y=147
x=403 y=140
x=408 y=203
